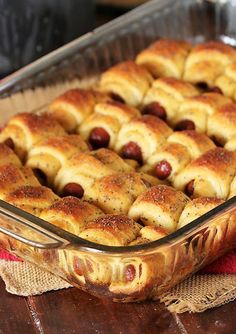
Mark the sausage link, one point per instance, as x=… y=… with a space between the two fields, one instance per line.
x=155 y=109
x=185 y=124
x=132 y=151
x=130 y=273
x=189 y=189
x=73 y=189
x=99 y=138
x=10 y=143
x=163 y=169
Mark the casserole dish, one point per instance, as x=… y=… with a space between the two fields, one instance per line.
x=158 y=265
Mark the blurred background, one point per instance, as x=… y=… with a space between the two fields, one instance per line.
x=31 y=28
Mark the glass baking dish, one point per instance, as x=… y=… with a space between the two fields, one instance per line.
x=102 y=270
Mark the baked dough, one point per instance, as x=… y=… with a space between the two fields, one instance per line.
x=165 y=58
x=25 y=130
x=227 y=81
x=196 y=208
x=116 y=193
x=210 y=175
x=84 y=168
x=111 y=230
x=8 y=157
x=224 y=117
x=71 y=214
x=109 y=116
x=13 y=177
x=127 y=81
x=71 y=108
x=51 y=154
x=207 y=61
x=180 y=149
x=233 y=188
x=197 y=109
x=32 y=199
x=148 y=132
x=231 y=144
x=168 y=93
x=159 y=206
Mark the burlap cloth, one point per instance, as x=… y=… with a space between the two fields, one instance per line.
x=196 y=294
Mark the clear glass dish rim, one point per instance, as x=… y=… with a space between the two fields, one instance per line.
x=60 y=54
x=88 y=246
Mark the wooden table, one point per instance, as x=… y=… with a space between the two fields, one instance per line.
x=73 y=311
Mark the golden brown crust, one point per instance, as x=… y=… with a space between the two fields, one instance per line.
x=112 y=160
x=71 y=214
x=199 y=108
x=207 y=61
x=212 y=173
x=32 y=199
x=227 y=81
x=82 y=169
x=12 y=177
x=159 y=206
x=196 y=143
x=165 y=57
x=7 y=156
x=50 y=154
x=196 y=208
x=112 y=230
x=72 y=107
x=226 y=117
x=26 y=130
x=149 y=132
x=127 y=80
x=169 y=93
x=116 y=193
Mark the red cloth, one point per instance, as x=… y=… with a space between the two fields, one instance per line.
x=7 y=256
x=224 y=265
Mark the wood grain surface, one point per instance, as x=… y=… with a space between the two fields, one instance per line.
x=72 y=311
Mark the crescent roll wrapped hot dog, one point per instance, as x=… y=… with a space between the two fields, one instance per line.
x=8 y=157
x=71 y=214
x=180 y=149
x=13 y=177
x=115 y=193
x=196 y=208
x=141 y=137
x=194 y=111
x=32 y=199
x=83 y=169
x=210 y=175
x=127 y=82
x=148 y=234
x=71 y=108
x=226 y=117
x=165 y=58
x=159 y=206
x=25 y=130
x=101 y=127
x=112 y=230
x=165 y=96
x=207 y=61
x=227 y=81
x=47 y=157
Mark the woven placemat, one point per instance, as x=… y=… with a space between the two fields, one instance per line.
x=196 y=294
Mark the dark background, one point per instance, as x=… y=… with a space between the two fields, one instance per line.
x=31 y=28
